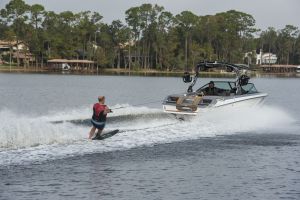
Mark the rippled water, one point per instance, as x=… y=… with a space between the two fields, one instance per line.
x=225 y=154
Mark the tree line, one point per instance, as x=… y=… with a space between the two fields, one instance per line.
x=150 y=37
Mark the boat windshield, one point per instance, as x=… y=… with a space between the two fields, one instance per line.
x=249 y=89
x=225 y=88
x=224 y=85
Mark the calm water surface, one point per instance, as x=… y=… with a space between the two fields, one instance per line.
x=227 y=154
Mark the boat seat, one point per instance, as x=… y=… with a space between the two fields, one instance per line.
x=188 y=103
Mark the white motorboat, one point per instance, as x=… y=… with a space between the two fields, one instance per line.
x=298 y=69
x=214 y=94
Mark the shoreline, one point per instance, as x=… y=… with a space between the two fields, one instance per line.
x=126 y=72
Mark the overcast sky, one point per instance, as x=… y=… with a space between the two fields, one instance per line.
x=267 y=13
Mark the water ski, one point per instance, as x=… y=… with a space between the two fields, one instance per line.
x=106 y=135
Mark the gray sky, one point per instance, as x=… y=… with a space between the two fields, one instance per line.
x=267 y=13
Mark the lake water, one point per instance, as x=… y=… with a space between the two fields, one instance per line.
x=232 y=154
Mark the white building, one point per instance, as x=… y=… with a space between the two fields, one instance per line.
x=265 y=58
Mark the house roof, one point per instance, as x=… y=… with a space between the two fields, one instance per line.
x=70 y=61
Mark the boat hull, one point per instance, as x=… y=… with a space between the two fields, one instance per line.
x=251 y=100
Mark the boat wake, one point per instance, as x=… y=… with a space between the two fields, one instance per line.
x=27 y=139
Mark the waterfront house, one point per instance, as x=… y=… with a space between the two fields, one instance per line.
x=265 y=58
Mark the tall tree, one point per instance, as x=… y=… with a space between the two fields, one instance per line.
x=118 y=38
x=132 y=17
x=36 y=41
x=50 y=27
x=287 y=38
x=164 y=26
x=268 y=39
x=235 y=28
x=9 y=35
x=186 y=21
x=15 y=13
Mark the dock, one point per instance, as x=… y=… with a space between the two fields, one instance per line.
x=279 y=68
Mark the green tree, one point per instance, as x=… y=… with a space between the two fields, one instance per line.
x=206 y=35
x=186 y=22
x=234 y=30
x=15 y=13
x=268 y=40
x=297 y=50
x=164 y=48
x=88 y=25
x=287 y=39
x=9 y=35
x=36 y=41
x=120 y=36
x=50 y=27
x=132 y=17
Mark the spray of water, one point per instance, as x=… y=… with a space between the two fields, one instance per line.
x=38 y=138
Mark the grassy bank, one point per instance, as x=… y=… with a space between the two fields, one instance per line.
x=14 y=68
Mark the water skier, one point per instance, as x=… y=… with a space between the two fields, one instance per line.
x=100 y=111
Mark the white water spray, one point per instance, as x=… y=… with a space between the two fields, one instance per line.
x=39 y=139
